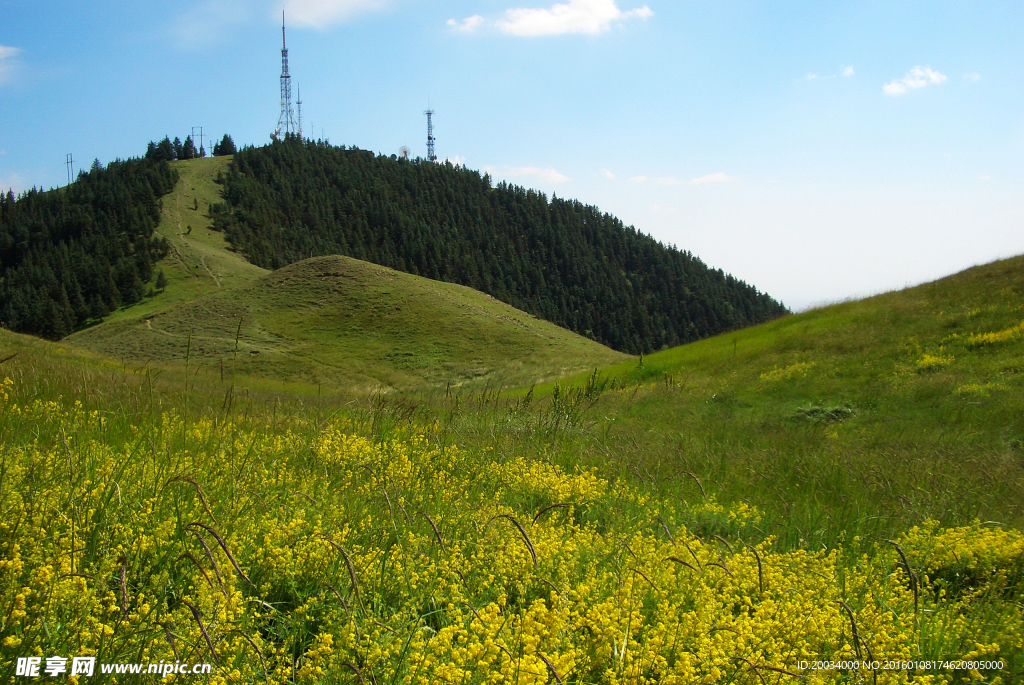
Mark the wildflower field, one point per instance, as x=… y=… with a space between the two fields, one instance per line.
x=836 y=496
x=315 y=547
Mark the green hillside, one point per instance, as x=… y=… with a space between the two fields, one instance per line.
x=198 y=259
x=351 y=325
x=73 y=255
x=204 y=477
x=864 y=416
x=844 y=485
x=558 y=259
x=333 y=323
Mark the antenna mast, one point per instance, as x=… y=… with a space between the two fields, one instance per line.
x=431 y=157
x=286 y=123
x=69 y=161
x=299 y=104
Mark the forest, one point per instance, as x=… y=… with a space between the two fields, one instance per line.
x=73 y=255
x=557 y=259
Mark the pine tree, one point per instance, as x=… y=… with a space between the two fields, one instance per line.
x=165 y=150
x=56 y=248
x=188 y=150
x=226 y=146
x=177 y=147
x=557 y=259
x=161 y=280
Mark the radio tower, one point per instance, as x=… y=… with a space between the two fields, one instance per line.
x=431 y=157
x=286 y=123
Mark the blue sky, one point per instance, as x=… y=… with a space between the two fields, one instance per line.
x=817 y=150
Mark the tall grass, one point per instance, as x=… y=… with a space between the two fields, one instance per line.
x=284 y=543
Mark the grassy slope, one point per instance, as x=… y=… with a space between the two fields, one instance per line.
x=333 y=322
x=200 y=260
x=349 y=324
x=864 y=416
x=925 y=425
x=390 y=554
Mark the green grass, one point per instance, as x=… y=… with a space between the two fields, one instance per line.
x=864 y=416
x=843 y=427
x=329 y=323
x=200 y=260
x=345 y=324
x=377 y=519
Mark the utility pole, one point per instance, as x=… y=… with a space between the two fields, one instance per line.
x=202 y=151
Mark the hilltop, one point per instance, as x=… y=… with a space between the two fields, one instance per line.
x=560 y=260
x=329 y=322
x=349 y=324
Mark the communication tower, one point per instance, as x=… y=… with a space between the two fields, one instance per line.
x=286 y=123
x=69 y=162
x=430 y=136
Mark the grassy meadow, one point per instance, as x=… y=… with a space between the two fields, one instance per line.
x=336 y=473
x=816 y=488
x=343 y=323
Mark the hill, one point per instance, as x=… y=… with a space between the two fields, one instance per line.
x=560 y=260
x=198 y=260
x=737 y=510
x=867 y=416
x=349 y=324
x=73 y=255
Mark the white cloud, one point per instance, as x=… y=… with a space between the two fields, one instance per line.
x=659 y=180
x=719 y=177
x=814 y=77
x=319 y=14
x=546 y=175
x=607 y=174
x=206 y=23
x=973 y=78
x=13 y=182
x=575 y=16
x=984 y=179
x=918 y=77
x=456 y=160
x=542 y=174
x=8 y=62
x=467 y=25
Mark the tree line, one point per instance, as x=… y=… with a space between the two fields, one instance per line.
x=558 y=259
x=73 y=255
x=168 y=150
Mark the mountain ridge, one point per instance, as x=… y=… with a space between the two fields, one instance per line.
x=558 y=259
